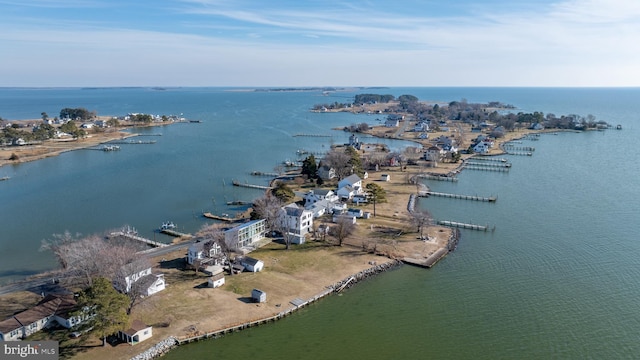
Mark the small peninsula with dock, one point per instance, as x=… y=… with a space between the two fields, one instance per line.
x=374 y=223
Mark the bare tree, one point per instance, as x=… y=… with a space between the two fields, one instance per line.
x=214 y=234
x=339 y=161
x=268 y=207
x=84 y=259
x=131 y=279
x=343 y=228
x=421 y=219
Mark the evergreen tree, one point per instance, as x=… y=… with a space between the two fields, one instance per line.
x=104 y=308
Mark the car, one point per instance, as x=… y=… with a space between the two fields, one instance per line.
x=75 y=334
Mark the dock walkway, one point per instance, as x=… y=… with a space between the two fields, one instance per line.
x=133 y=236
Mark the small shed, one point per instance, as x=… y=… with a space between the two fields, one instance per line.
x=138 y=332
x=251 y=264
x=258 y=296
x=216 y=280
x=385 y=177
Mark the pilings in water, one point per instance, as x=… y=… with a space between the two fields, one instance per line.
x=464 y=225
x=508 y=146
x=458 y=196
x=262 y=173
x=487 y=168
x=132 y=142
x=489 y=164
x=312 y=135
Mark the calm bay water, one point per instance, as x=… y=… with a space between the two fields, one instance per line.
x=558 y=278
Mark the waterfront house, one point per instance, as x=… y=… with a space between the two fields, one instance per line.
x=216 y=280
x=297 y=221
x=391 y=123
x=52 y=310
x=251 y=264
x=326 y=173
x=139 y=274
x=352 y=180
x=315 y=195
x=11 y=330
x=245 y=235
x=321 y=207
x=138 y=332
x=358 y=213
x=346 y=192
x=205 y=252
x=433 y=154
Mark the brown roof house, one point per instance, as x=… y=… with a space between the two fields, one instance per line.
x=51 y=310
x=138 y=332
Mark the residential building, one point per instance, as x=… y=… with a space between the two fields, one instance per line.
x=205 y=252
x=251 y=264
x=138 y=332
x=51 y=310
x=297 y=221
x=246 y=234
x=216 y=280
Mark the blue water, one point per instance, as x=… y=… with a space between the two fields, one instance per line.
x=558 y=278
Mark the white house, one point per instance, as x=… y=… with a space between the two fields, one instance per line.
x=216 y=280
x=481 y=148
x=246 y=234
x=139 y=273
x=298 y=222
x=251 y=264
x=204 y=251
x=315 y=195
x=350 y=186
x=433 y=153
x=346 y=217
x=138 y=332
x=326 y=173
x=51 y=310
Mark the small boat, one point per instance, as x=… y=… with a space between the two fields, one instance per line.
x=4 y=178
x=168 y=225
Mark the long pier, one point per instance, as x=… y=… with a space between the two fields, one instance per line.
x=463 y=225
x=261 y=187
x=132 y=142
x=262 y=173
x=518 y=148
x=488 y=159
x=221 y=218
x=312 y=135
x=133 y=236
x=521 y=153
x=489 y=164
x=487 y=168
x=458 y=196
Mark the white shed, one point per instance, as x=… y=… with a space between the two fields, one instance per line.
x=258 y=296
x=385 y=177
x=216 y=280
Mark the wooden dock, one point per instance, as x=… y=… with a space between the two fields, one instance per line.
x=489 y=164
x=487 y=158
x=252 y=186
x=262 y=173
x=312 y=135
x=133 y=236
x=463 y=225
x=487 y=168
x=458 y=196
x=221 y=218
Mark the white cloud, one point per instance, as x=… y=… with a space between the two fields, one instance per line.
x=569 y=43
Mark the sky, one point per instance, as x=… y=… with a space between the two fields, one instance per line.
x=302 y=43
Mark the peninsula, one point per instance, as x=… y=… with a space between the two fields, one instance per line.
x=320 y=266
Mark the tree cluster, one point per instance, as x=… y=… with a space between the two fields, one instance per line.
x=77 y=113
